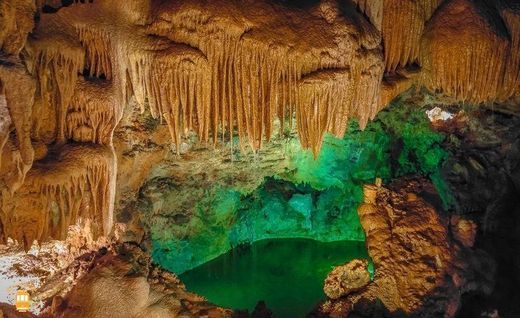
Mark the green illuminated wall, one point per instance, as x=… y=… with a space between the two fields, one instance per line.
x=312 y=198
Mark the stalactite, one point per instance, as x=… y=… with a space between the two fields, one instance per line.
x=464 y=55
x=198 y=68
x=373 y=9
x=252 y=81
x=223 y=76
x=57 y=68
x=172 y=78
x=510 y=12
x=91 y=116
x=18 y=89
x=58 y=193
x=97 y=52
x=216 y=68
x=324 y=106
x=403 y=25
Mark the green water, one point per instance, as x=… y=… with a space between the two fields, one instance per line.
x=287 y=274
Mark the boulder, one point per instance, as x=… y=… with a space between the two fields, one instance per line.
x=347 y=279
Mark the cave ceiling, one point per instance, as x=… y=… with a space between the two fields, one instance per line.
x=217 y=69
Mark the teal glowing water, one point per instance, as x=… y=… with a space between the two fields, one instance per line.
x=287 y=274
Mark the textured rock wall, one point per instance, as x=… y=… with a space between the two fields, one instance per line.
x=195 y=212
x=216 y=69
x=123 y=283
x=420 y=270
x=194 y=66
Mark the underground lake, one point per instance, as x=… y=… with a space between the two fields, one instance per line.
x=287 y=274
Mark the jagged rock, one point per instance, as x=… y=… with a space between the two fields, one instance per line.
x=347 y=279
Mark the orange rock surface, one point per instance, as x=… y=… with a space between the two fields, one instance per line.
x=216 y=68
x=418 y=268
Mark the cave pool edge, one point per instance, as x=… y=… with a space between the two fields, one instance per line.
x=287 y=273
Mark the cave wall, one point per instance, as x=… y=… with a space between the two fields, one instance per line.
x=218 y=70
x=195 y=214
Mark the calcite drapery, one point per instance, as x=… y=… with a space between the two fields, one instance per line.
x=510 y=12
x=468 y=54
x=401 y=23
x=195 y=65
x=256 y=65
x=220 y=67
x=403 y=26
x=200 y=69
x=79 y=182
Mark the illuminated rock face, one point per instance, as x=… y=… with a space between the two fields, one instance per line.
x=224 y=71
x=470 y=53
x=466 y=49
x=347 y=279
x=213 y=69
x=197 y=211
x=197 y=67
x=123 y=283
x=217 y=69
x=419 y=269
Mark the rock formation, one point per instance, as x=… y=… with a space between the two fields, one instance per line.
x=347 y=279
x=123 y=283
x=460 y=38
x=402 y=47
x=198 y=67
x=223 y=73
x=419 y=270
x=195 y=66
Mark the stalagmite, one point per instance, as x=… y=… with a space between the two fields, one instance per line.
x=464 y=52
